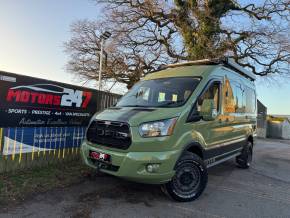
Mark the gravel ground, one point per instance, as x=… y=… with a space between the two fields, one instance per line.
x=262 y=191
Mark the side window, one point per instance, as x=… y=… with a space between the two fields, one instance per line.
x=237 y=98
x=239 y=93
x=213 y=92
x=234 y=97
x=250 y=101
x=254 y=102
x=229 y=103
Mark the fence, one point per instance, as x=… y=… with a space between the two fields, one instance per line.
x=43 y=122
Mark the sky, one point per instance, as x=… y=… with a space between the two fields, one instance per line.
x=32 y=33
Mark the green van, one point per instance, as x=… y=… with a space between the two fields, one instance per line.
x=174 y=124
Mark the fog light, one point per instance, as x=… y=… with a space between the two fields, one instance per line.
x=152 y=168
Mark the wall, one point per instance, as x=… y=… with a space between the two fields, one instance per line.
x=274 y=130
x=261 y=120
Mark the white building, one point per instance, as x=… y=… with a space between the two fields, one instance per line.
x=286 y=129
x=278 y=128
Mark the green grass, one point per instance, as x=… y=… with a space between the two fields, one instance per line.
x=17 y=186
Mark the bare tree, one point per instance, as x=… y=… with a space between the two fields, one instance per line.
x=148 y=33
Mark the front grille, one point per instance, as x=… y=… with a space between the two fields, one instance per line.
x=110 y=134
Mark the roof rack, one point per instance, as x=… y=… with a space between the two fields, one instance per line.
x=225 y=61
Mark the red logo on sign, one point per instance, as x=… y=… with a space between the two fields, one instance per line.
x=48 y=94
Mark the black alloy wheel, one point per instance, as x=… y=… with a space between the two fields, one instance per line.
x=190 y=178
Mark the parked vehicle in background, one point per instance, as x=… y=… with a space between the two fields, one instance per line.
x=174 y=124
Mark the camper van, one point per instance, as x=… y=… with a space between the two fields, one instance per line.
x=175 y=124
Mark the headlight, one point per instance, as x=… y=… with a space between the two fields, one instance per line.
x=157 y=128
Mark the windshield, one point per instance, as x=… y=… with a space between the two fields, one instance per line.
x=165 y=92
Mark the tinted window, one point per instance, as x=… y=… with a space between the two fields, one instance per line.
x=211 y=93
x=250 y=101
x=165 y=92
x=229 y=101
x=238 y=98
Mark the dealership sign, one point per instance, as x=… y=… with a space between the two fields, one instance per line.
x=39 y=115
x=30 y=102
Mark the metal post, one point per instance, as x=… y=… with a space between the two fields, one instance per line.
x=101 y=63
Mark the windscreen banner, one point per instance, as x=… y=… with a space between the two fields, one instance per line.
x=39 y=115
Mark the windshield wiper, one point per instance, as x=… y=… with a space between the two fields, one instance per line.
x=171 y=103
x=135 y=105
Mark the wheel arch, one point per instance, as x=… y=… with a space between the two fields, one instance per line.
x=195 y=148
x=251 y=139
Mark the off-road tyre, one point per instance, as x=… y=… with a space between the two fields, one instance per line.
x=190 y=178
x=244 y=160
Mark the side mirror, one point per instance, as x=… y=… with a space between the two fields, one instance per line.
x=208 y=110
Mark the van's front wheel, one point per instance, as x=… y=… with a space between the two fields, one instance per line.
x=190 y=178
x=244 y=160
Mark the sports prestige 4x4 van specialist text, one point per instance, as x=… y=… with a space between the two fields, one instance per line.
x=174 y=124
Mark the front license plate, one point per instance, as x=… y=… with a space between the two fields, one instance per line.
x=100 y=156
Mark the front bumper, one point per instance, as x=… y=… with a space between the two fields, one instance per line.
x=132 y=165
